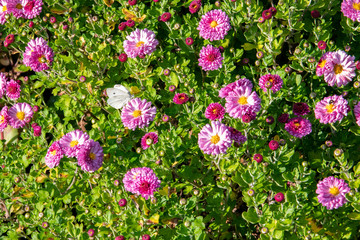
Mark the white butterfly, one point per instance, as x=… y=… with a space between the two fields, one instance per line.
x=118 y=96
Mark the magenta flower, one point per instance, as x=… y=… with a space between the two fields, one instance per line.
x=4 y=118
x=215 y=138
x=298 y=127
x=165 y=17
x=54 y=155
x=15 y=7
x=266 y=14
x=38 y=55
x=322 y=45
x=142 y=181
x=137 y=113
x=195 y=6
x=283 y=118
x=258 y=157
x=90 y=156
x=341 y=69
x=224 y=92
x=331 y=192
x=31 y=8
x=152 y=136
x=72 y=142
x=331 y=109
x=269 y=81
x=241 y=101
x=351 y=9
x=273 y=145
x=300 y=109
x=279 y=197
x=356 y=113
x=236 y=135
x=13 y=90
x=215 y=111
x=210 y=58
x=37 y=130
x=180 y=98
x=3 y=83
x=140 y=42
x=214 y=25
x=323 y=63
x=20 y=114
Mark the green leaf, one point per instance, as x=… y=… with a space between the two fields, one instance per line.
x=251 y=216
x=354 y=216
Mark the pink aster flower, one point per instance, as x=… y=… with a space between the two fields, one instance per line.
x=214 y=25
x=180 y=98
x=195 y=6
x=210 y=58
x=236 y=135
x=323 y=63
x=3 y=10
x=300 y=109
x=341 y=69
x=215 y=138
x=90 y=156
x=54 y=155
x=13 y=90
x=331 y=109
x=351 y=9
x=31 y=8
x=152 y=136
x=15 y=7
x=224 y=92
x=20 y=114
x=72 y=142
x=215 y=111
x=356 y=113
x=3 y=80
x=242 y=100
x=322 y=45
x=137 y=113
x=4 y=119
x=142 y=181
x=331 y=192
x=298 y=127
x=269 y=81
x=140 y=42
x=38 y=55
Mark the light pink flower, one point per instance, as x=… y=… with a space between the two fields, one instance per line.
x=137 y=113
x=140 y=42
x=54 y=155
x=20 y=114
x=215 y=138
x=331 y=192
x=214 y=25
x=331 y=109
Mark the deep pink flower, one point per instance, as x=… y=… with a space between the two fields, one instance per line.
x=142 y=181
x=4 y=118
x=322 y=45
x=273 y=145
x=137 y=113
x=32 y=8
x=194 y=6
x=123 y=57
x=90 y=156
x=273 y=11
x=215 y=111
x=300 y=109
x=20 y=114
x=130 y=23
x=351 y=9
x=172 y=88
x=279 y=197
x=214 y=25
x=315 y=13
x=37 y=131
x=215 y=138
x=3 y=83
x=91 y=232
x=13 y=90
x=122 y=202
x=356 y=113
x=283 y=118
x=132 y=2
x=189 y=41
x=248 y=117
x=269 y=81
x=38 y=55
x=72 y=142
x=266 y=14
x=165 y=17
x=180 y=98
x=331 y=109
x=298 y=127
x=54 y=155
x=140 y=42
x=10 y=38
x=224 y=92
x=210 y=58
x=122 y=26
x=236 y=135
x=331 y=192
x=258 y=157
x=151 y=135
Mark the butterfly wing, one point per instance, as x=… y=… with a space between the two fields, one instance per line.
x=118 y=96
x=118 y=101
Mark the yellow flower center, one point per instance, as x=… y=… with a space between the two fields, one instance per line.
x=42 y=59
x=4 y=8
x=296 y=124
x=215 y=139
x=18 y=6
x=92 y=156
x=334 y=191
x=137 y=113
x=330 y=108
x=139 y=44
x=338 y=69
x=20 y=115
x=322 y=63
x=243 y=100
x=53 y=152
x=214 y=111
x=356 y=6
x=73 y=143
x=213 y=24
x=271 y=80
x=2 y=119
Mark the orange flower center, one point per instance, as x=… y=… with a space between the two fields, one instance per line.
x=20 y=115
x=296 y=124
x=4 y=8
x=330 y=108
x=2 y=119
x=338 y=69
x=18 y=6
x=73 y=143
x=334 y=191
x=242 y=100
x=139 y=44
x=92 y=156
x=322 y=63
x=214 y=111
x=215 y=139
x=53 y=152
x=42 y=59
x=213 y=24
x=137 y=113
x=356 y=6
